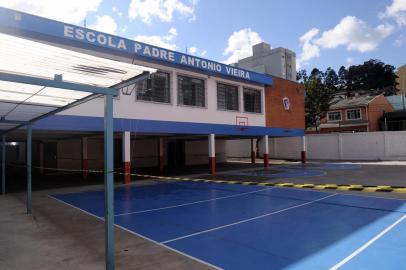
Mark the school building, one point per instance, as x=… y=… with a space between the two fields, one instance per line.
x=176 y=110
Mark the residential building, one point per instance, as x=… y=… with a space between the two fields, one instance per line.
x=357 y=114
x=279 y=62
x=401 y=73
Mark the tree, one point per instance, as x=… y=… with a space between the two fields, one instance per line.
x=342 y=78
x=331 y=79
x=301 y=76
x=373 y=76
x=319 y=94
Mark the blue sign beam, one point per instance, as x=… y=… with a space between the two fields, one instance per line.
x=45 y=30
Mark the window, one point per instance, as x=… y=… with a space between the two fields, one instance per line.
x=252 y=101
x=191 y=91
x=354 y=114
x=334 y=116
x=227 y=97
x=156 y=88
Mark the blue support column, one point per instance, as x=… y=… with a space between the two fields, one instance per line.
x=29 y=177
x=3 y=165
x=109 y=182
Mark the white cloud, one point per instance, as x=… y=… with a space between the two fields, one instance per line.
x=355 y=34
x=197 y=51
x=349 y=61
x=396 y=11
x=124 y=29
x=167 y=41
x=72 y=11
x=163 y=10
x=400 y=41
x=240 y=45
x=105 y=24
x=351 y=32
x=309 y=50
x=117 y=11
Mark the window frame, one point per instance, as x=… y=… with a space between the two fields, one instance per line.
x=353 y=119
x=178 y=90
x=169 y=91
x=238 y=96
x=260 y=101
x=341 y=116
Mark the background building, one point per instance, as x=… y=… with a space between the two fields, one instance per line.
x=401 y=73
x=279 y=62
x=358 y=114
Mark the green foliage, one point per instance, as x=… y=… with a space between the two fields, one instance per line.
x=319 y=92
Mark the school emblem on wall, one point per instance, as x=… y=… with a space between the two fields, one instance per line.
x=286 y=103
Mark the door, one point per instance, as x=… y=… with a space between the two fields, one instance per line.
x=176 y=154
x=50 y=154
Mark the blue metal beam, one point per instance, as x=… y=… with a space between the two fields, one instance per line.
x=6 y=121
x=109 y=182
x=56 y=83
x=29 y=176
x=60 y=109
x=3 y=165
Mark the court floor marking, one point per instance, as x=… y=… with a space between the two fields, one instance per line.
x=367 y=244
x=140 y=235
x=247 y=220
x=191 y=203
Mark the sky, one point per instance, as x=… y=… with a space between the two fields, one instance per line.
x=321 y=33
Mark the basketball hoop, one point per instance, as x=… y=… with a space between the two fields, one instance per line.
x=241 y=122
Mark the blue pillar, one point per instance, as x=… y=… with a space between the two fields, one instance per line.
x=29 y=146
x=109 y=182
x=3 y=165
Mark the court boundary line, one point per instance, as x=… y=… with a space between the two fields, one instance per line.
x=140 y=235
x=192 y=203
x=246 y=220
x=329 y=191
x=367 y=244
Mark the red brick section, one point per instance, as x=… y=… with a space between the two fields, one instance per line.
x=126 y=171
x=275 y=113
x=376 y=108
x=266 y=160
x=161 y=164
x=212 y=165
x=85 y=167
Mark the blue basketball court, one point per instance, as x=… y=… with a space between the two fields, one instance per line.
x=254 y=227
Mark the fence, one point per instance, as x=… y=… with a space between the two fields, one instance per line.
x=389 y=145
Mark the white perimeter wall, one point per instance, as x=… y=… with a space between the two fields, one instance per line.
x=130 y=108
x=344 y=146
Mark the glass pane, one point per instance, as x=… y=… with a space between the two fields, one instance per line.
x=227 y=97
x=252 y=100
x=191 y=91
x=156 y=88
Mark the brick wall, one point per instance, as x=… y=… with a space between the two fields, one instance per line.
x=275 y=113
x=376 y=108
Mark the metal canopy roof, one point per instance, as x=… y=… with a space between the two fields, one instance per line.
x=23 y=102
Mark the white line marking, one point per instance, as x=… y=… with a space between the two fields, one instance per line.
x=139 y=235
x=367 y=244
x=191 y=203
x=246 y=220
